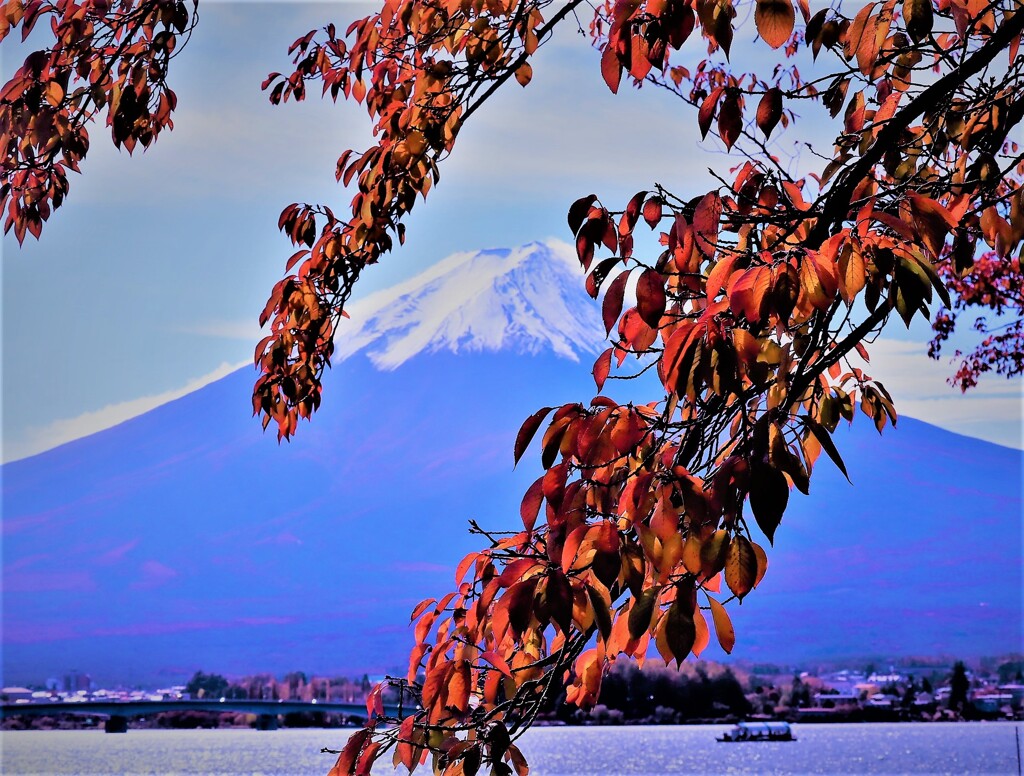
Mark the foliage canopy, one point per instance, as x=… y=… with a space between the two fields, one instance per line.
x=765 y=290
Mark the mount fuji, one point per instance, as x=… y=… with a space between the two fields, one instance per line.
x=186 y=539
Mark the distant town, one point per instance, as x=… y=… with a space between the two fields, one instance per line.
x=702 y=691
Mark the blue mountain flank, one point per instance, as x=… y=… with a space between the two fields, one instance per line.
x=188 y=539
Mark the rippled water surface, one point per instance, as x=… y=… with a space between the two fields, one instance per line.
x=966 y=748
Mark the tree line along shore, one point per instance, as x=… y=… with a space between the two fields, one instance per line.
x=654 y=694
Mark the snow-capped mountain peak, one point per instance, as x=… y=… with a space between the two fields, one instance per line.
x=529 y=299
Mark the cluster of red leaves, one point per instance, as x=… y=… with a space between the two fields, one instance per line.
x=748 y=316
x=106 y=58
x=417 y=67
x=997 y=285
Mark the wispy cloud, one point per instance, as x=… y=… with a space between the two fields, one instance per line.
x=248 y=330
x=154 y=574
x=40 y=438
x=116 y=554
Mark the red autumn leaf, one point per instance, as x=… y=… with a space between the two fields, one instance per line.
x=559 y=599
x=730 y=119
x=346 y=762
x=612 y=305
x=825 y=440
x=597 y=277
x=707 y=110
x=631 y=214
x=530 y=507
x=602 y=366
x=769 y=110
x=578 y=212
x=650 y=298
x=520 y=604
x=524 y=74
x=705 y=222
x=652 y=211
x=528 y=429
x=611 y=67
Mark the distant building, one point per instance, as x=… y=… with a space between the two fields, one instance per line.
x=882 y=679
x=75 y=682
x=15 y=694
x=882 y=700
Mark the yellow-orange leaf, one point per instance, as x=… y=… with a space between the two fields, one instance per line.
x=762 y=562
x=524 y=73
x=691 y=554
x=703 y=637
x=723 y=625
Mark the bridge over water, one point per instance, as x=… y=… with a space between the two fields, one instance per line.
x=119 y=712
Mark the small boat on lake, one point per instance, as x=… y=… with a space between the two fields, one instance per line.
x=758 y=731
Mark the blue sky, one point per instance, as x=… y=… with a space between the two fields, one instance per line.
x=148 y=282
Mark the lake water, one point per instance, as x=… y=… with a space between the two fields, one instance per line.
x=938 y=748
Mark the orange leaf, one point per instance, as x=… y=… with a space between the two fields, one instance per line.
x=762 y=562
x=774 y=20
x=932 y=220
x=459 y=687
x=703 y=636
x=723 y=626
x=498 y=662
x=740 y=566
x=524 y=73
x=422 y=606
x=719 y=275
x=611 y=67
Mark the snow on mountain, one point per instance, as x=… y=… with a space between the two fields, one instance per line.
x=529 y=299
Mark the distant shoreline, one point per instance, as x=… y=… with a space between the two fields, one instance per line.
x=188 y=720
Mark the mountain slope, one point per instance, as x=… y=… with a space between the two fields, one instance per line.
x=187 y=539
